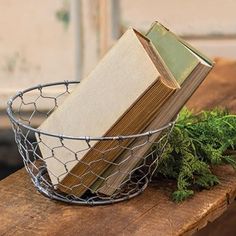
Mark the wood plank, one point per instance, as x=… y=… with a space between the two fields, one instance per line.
x=24 y=211
x=218 y=89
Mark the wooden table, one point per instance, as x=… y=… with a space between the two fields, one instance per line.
x=26 y=212
x=23 y=211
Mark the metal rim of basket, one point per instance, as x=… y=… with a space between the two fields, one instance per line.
x=37 y=180
x=85 y=138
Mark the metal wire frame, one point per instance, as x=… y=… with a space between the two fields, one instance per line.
x=36 y=165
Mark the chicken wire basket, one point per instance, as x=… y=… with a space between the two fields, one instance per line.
x=29 y=108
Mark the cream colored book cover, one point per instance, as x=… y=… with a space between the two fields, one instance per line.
x=123 y=75
x=189 y=68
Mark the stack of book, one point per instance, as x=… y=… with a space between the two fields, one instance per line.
x=139 y=85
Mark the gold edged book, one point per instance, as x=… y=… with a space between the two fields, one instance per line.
x=189 y=67
x=121 y=96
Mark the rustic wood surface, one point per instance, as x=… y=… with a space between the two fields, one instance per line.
x=23 y=211
x=26 y=212
x=218 y=89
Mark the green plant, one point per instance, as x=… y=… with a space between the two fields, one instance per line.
x=197 y=143
x=63 y=14
x=11 y=62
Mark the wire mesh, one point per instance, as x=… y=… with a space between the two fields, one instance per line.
x=27 y=109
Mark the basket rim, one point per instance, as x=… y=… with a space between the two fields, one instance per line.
x=39 y=87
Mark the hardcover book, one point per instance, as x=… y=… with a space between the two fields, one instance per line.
x=121 y=96
x=189 y=67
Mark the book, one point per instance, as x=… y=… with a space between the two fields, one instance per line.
x=119 y=97
x=189 y=67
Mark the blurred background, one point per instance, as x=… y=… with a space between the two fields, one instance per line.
x=56 y=40
x=46 y=41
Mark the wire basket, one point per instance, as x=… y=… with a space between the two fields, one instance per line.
x=27 y=109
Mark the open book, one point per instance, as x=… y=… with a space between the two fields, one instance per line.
x=189 y=67
x=121 y=96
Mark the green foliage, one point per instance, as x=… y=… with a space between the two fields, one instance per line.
x=63 y=14
x=197 y=143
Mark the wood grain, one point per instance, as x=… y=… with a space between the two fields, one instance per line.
x=26 y=212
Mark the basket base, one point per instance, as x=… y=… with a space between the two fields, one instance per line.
x=92 y=200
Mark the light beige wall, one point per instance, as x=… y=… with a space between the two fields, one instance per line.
x=191 y=17
x=36 y=48
x=211 y=24
x=34 y=45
